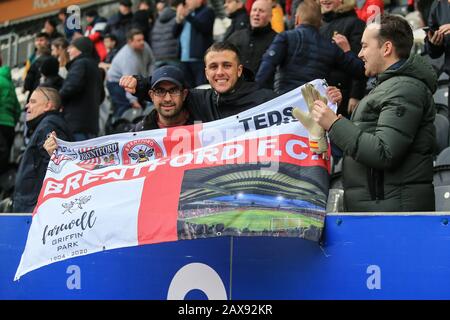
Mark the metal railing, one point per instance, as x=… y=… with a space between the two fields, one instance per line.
x=9 y=44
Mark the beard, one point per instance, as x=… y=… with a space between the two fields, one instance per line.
x=169 y=114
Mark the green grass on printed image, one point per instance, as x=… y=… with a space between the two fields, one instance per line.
x=257 y=220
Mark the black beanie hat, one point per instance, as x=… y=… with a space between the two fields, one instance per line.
x=126 y=3
x=50 y=66
x=84 y=44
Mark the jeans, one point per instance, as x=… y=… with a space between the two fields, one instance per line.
x=119 y=99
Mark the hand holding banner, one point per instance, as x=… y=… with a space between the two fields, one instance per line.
x=317 y=137
x=251 y=174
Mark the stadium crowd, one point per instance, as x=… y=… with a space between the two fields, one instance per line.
x=384 y=128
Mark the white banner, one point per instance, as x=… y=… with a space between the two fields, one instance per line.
x=181 y=183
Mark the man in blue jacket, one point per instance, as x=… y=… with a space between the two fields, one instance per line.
x=194 y=27
x=43 y=117
x=303 y=55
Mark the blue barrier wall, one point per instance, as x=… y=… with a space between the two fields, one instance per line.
x=363 y=257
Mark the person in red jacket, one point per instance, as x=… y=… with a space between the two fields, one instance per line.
x=96 y=25
x=367 y=10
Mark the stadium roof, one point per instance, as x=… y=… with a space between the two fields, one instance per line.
x=289 y=181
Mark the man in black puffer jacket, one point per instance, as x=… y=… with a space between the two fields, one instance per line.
x=230 y=92
x=43 y=117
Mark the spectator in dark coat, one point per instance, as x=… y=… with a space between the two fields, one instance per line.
x=34 y=74
x=230 y=93
x=34 y=62
x=437 y=41
x=303 y=55
x=50 y=29
x=235 y=10
x=424 y=7
x=71 y=27
x=110 y=42
x=82 y=90
x=253 y=41
x=120 y=23
x=49 y=71
x=164 y=45
x=339 y=17
x=194 y=28
x=111 y=46
x=42 y=117
x=94 y=31
x=144 y=18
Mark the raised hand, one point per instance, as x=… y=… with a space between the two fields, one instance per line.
x=334 y=94
x=50 y=145
x=317 y=138
x=129 y=83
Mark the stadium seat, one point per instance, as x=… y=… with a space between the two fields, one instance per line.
x=442 y=109
x=443 y=78
x=401 y=11
x=441 y=178
x=6 y=205
x=437 y=64
x=203 y=86
x=336 y=167
x=312 y=233
x=443 y=158
x=132 y=114
x=442 y=169
x=336 y=176
x=442 y=198
x=414 y=19
x=441 y=95
x=442 y=132
x=7 y=180
x=220 y=227
x=121 y=125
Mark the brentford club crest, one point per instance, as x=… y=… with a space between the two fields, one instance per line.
x=141 y=150
x=98 y=157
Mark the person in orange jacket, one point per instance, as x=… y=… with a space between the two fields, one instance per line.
x=277 y=21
